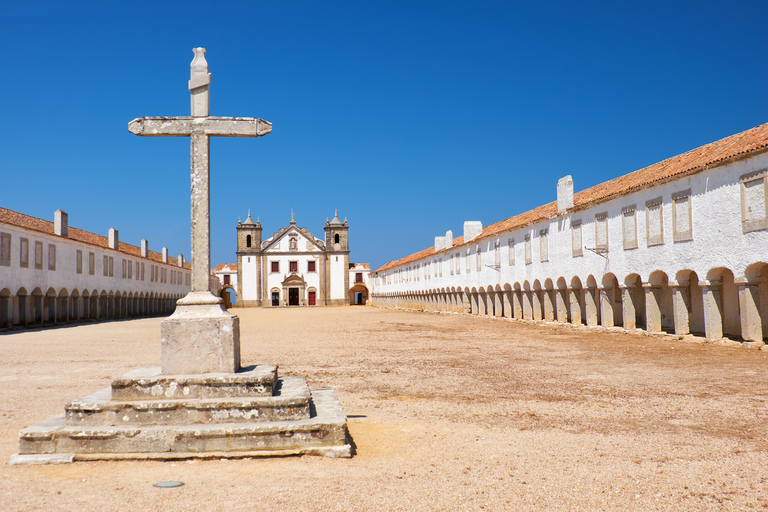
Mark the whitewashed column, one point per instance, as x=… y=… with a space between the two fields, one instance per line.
x=561 y=305
x=652 y=307
x=713 y=309
x=549 y=307
x=590 y=305
x=749 y=310
x=606 y=306
x=574 y=297
x=628 y=308
x=681 y=305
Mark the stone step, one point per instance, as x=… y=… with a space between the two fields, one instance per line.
x=290 y=401
x=150 y=383
x=324 y=433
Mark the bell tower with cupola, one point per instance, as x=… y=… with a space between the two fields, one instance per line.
x=249 y=260
x=337 y=260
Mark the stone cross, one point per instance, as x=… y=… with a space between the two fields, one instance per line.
x=200 y=126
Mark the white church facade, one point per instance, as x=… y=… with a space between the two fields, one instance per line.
x=680 y=246
x=51 y=273
x=293 y=267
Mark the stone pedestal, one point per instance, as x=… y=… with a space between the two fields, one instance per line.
x=200 y=337
x=149 y=415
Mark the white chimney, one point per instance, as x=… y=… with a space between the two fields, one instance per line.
x=472 y=229
x=444 y=242
x=114 y=239
x=165 y=255
x=144 y=248
x=60 y=223
x=180 y=260
x=564 y=194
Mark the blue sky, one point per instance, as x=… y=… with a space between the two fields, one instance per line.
x=409 y=117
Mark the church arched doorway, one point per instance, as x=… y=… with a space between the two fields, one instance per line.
x=358 y=295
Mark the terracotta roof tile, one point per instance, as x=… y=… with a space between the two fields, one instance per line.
x=231 y=266
x=43 y=226
x=714 y=154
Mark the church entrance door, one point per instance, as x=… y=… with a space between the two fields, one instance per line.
x=311 y=298
x=293 y=296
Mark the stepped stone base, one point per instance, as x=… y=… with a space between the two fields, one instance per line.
x=148 y=415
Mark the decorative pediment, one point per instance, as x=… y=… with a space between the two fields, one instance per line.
x=290 y=231
x=294 y=279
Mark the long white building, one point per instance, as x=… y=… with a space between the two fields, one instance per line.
x=52 y=273
x=680 y=246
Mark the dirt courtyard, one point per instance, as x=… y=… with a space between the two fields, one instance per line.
x=446 y=412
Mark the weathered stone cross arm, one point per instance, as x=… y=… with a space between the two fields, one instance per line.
x=212 y=126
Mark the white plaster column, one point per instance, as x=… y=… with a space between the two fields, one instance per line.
x=527 y=305
x=652 y=307
x=713 y=309
x=549 y=307
x=628 y=308
x=561 y=305
x=681 y=305
x=606 y=306
x=475 y=298
x=590 y=305
x=536 y=305
x=507 y=303
x=574 y=296
x=517 y=305
x=497 y=307
x=749 y=310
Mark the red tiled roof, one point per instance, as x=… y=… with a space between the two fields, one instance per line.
x=364 y=265
x=232 y=267
x=43 y=226
x=714 y=154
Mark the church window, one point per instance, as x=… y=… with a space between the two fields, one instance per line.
x=511 y=251
x=226 y=279
x=310 y=266
x=39 y=255
x=577 y=248
x=79 y=261
x=754 y=207
x=681 y=216
x=91 y=263
x=248 y=240
x=51 y=257
x=293 y=244
x=653 y=222
x=5 y=249
x=275 y=266
x=601 y=232
x=478 y=258
x=497 y=254
x=293 y=266
x=629 y=227
x=528 y=249
x=336 y=238
x=24 y=260
x=544 y=245
x=359 y=277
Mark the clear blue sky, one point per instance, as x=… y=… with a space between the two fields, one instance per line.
x=409 y=117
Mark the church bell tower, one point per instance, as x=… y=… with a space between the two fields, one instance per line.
x=248 y=257
x=337 y=258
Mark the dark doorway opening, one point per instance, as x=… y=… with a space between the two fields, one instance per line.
x=293 y=296
x=275 y=298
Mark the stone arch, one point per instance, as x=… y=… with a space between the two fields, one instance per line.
x=687 y=303
x=753 y=301
x=517 y=301
x=527 y=301
x=561 y=300
x=658 y=303
x=22 y=310
x=633 y=302
x=576 y=302
x=721 y=304
x=62 y=306
x=49 y=306
x=6 y=313
x=358 y=294
x=610 y=301
x=226 y=293
x=548 y=300
x=591 y=309
x=75 y=305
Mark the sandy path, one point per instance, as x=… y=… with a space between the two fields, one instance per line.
x=447 y=413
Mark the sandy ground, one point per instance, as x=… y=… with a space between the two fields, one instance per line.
x=446 y=412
